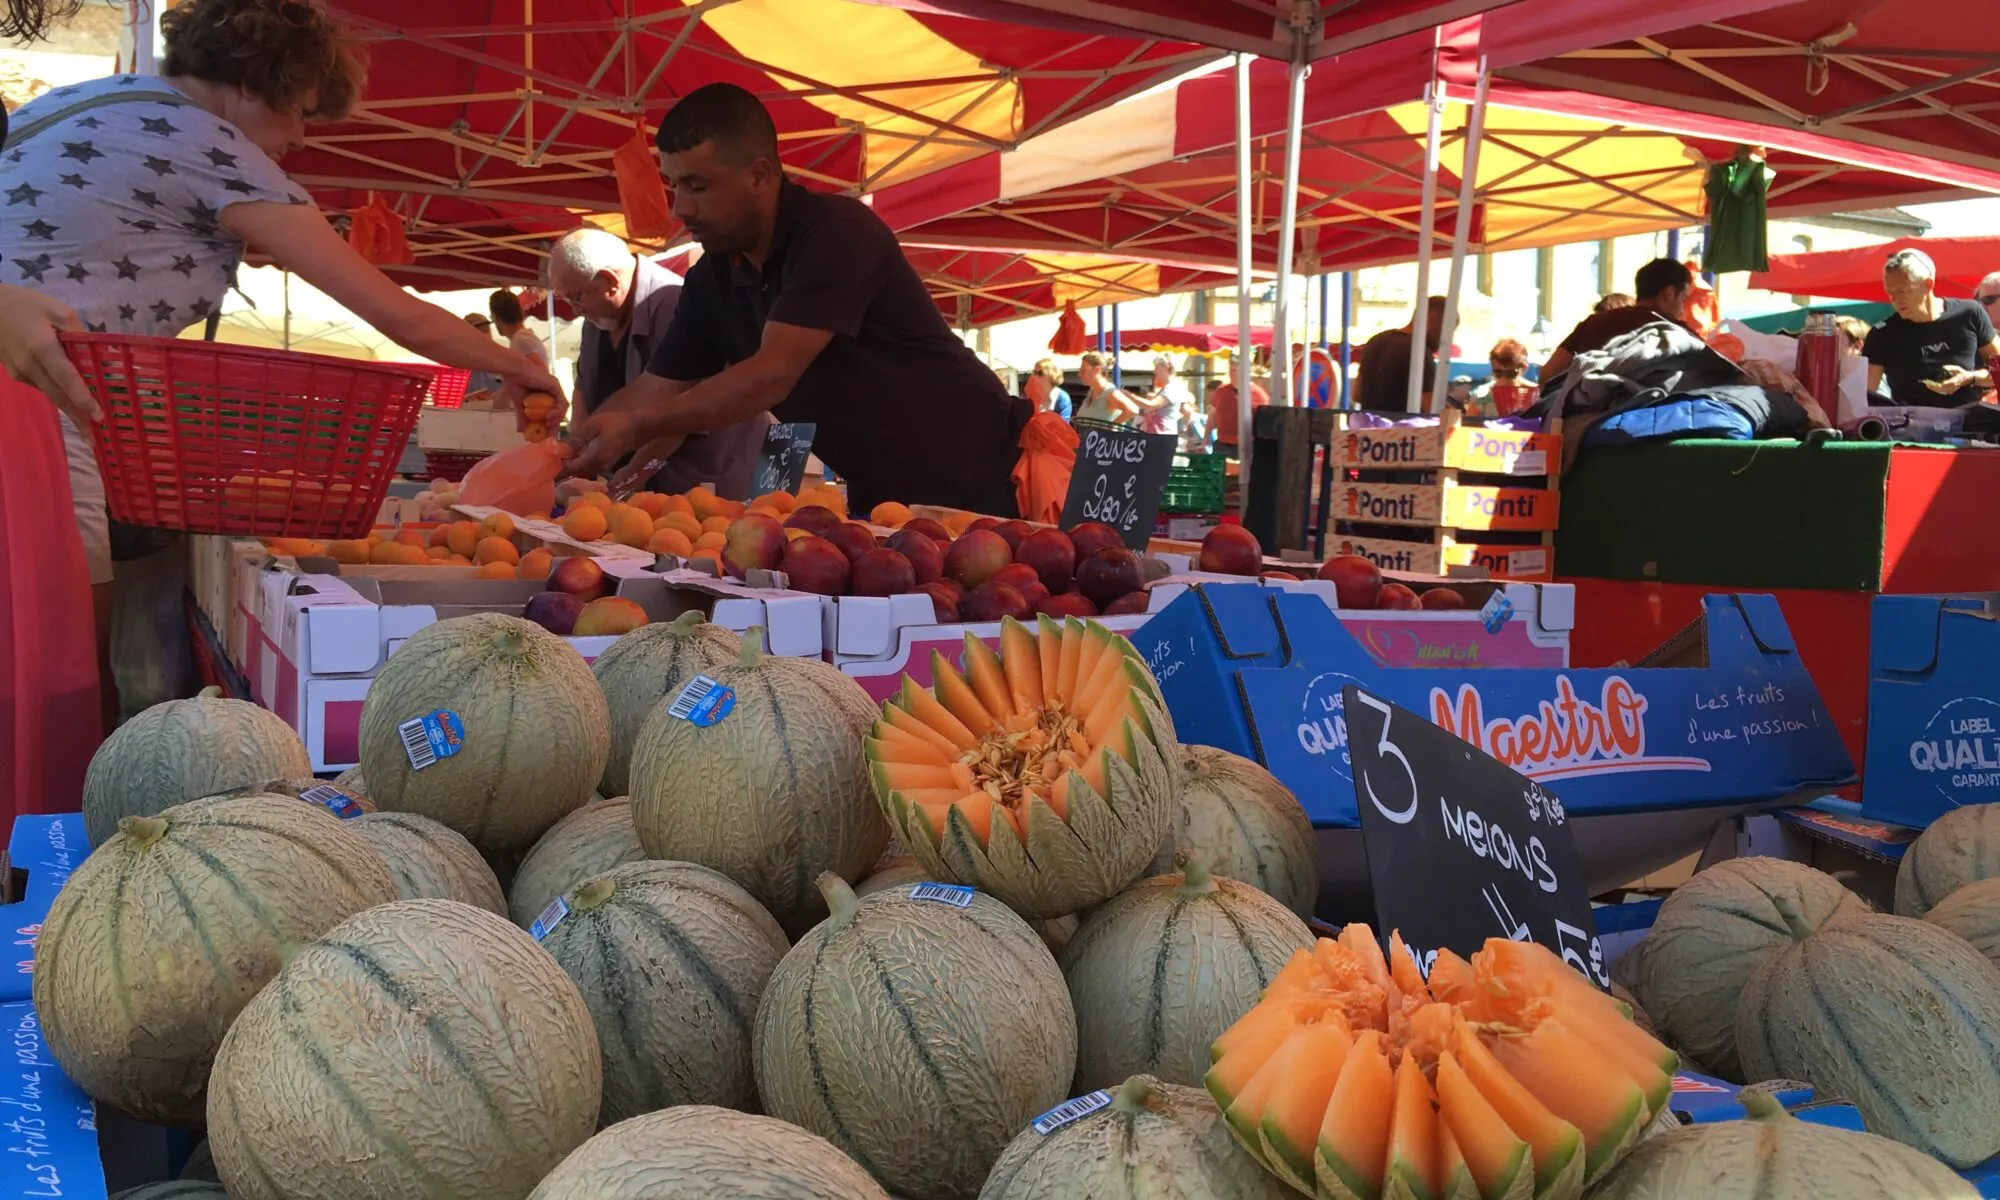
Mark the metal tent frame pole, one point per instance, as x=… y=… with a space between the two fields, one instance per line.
x=1244 y=233
x=1117 y=348
x=1426 y=229
x=1468 y=195
x=1288 y=229
x=1346 y=338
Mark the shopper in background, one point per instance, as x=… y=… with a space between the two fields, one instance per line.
x=1663 y=286
x=1853 y=334
x=1193 y=427
x=1932 y=352
x=481 y=386
x=1222 y=408
x=1106 y=401
x=1159 y=410
x=1044 y=389
x=1506 y=392
x=129 y=202
x=1613 y=300
x=513 y=326
x=1383 y=383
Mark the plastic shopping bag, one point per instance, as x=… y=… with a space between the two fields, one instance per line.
x=519 y=479
x=1041 y=478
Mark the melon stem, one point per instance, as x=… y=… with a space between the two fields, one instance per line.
x=212 y=692
x=841 y=903
x=1195 y=879
x=142 y=831
x=1136 y=1094
x=1794 y=923
x=753 y=647
x=688 y=620
x=595 y=893
x=1763 y=1106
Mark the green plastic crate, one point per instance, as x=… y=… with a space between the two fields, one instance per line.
x=1195 y=484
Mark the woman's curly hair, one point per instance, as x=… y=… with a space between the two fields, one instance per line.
x=29 y=20
x=280 y=51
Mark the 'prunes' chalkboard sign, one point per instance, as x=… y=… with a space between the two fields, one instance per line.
x=1460 y=847
x=782 y=465
x=1119 y=477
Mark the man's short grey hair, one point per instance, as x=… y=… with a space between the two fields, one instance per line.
x=586 y=251
x=1164 y=360
x=1990 y=285
x=1913 y=263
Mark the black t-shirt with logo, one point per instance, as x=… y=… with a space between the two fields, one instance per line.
x=905 y=410
x=1910 y=352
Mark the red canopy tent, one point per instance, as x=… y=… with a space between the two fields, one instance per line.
x=1857 y=274
x=1206 y=340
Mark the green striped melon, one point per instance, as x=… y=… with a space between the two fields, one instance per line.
x=915 y=1035
x=184 y=750
x=773 y=793
x=176 y=1189
x=646 y=666
x=1960 y=847
x=1973 y=913
x=697 y=1152
x=1142 y=1138
x=894 y=872
x=671 y=959
x=420 y=1050
x=330 y=796
x=1247 y=825
x=430 y=862
x=536 y=729
x=169 y=928
x=1159 y=972
x=1900 y=1017
x=587 y=843
x=1712 y=932
x=1775 y=1156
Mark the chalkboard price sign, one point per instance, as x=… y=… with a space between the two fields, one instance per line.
x=1119 y=477
x=1460 y=847
x=782 y=465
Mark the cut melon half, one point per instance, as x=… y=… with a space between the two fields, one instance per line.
x=1042 y=772
x=1412 y=1171
x=1353 y=1144
x=1496 y=1158
x=1295 y=1107
x=1566 y=1074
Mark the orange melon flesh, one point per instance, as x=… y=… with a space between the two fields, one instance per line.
x=1354 y=1135
x=890 y=744
x=1412 y=1166
x=1490 y=1150
x=1105 y=665
x=1554 y=1142
x=1563 y=1072
x=928 y=711
x=1245 y=1113
x=1251 y=1045
x=913 y=777
x=958 y=697
x=1021 y=662
x=977 y=809
x=988 y=677
x=1403 y=971
x=1296 y=1106
x=1450 y=978
x=1067 y=659
x=1113 y=709
x=1455 y=1180
x=1298 y=973
x=897 y=724
x=1605 y=1037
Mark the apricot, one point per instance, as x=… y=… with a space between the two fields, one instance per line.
x=494 y=570
x=631 y=527
x=498 y=525
x=463 y=537
x=351 y=552
x=652 y=503
x=412 y=537
x=681 y=523
x=535 y=432
x=398 y=554
x=717 y=524
x=597 y=500
x=440 y=533
x=609 y=616
x=498 y=552
x=536 y=564
x=587 y=522
x=670 y=541
x=438 y=553
x=889 y=515
x=536 y=405
x=711 y=541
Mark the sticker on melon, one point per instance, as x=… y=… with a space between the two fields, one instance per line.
x=1044 y=774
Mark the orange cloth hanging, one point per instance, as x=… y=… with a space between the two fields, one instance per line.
x=1069 y=338
x=1704 y=311
x=376 y=233
x=1041 y=477
x=642 y=195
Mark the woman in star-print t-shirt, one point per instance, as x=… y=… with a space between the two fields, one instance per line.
x=130 y=200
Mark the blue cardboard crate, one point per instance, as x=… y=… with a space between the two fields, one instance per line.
x=1933 y=707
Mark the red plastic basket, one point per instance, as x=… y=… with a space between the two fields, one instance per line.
x=211 y=438
x=449 y=389
x=450 y=465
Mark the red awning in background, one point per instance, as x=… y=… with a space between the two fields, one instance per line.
x=1920 y=79
x=1857 y=274
x=1190 y=339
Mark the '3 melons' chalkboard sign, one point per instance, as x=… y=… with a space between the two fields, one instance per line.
x=1460 y=847
x=781 y=467
x=1119 y=478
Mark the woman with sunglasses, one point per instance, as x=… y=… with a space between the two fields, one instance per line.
x=126 y=204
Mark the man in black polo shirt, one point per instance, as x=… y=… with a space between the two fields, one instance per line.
x=1933 y=352
x=1662 y=287
x=804 y=303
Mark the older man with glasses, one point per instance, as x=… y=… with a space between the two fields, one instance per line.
x=1934 y=352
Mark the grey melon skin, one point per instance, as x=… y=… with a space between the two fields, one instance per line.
x=1248 y=826
x=184 y=750
x=1959 y=848
x=698 y=1152
x=590 y=841
x=430 y=861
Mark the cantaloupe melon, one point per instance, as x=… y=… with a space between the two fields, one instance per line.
x=177 y=1189
x=1165 y=966
x=771 y=794
x=1899 y=1017
x=647 y=665
x=894 y=872
x=1509 y=1077
x=697 y=1152
x=335 y=799
x=1973 y=913
x=1045 y=774
x=587 y=843
x=430 y=862
x=184 y=750
x=169 y=928
x=1961 y=847
x=916 y=1035
x=420 y=1049
x=1247 y=825
x=1144 y=1137
x=535 y=730
x=1775 y=1156
x=352 y=782
x=1712 y=932
x=671 y=958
